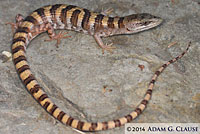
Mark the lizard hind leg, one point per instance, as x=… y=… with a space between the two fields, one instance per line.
x=19 y=19
x=54 y=36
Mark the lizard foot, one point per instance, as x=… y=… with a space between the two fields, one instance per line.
x=58 y=37
x=19 y=19
x=108 y=48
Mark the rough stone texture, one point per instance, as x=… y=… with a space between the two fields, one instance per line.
x=75 y=73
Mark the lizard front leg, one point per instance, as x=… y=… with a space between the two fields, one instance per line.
x=108 y=47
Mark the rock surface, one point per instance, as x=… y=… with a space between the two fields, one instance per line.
x=74 y=74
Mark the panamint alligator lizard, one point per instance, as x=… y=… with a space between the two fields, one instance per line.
x=70 y=17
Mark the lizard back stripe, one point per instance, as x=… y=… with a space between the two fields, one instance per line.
x=53 y=12
x=37 y=17
x=85 y=20
x=111 y=22
x=41 y=13
x=64 y=13
x=98 y=22
x=54 y=8
x=31 y=19
x=120 y=22
x=74 y=17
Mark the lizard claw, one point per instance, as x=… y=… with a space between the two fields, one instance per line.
x=108 y=48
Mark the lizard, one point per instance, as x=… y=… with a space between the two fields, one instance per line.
x=71 y=17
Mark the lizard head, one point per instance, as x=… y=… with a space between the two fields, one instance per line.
x=139 y=22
